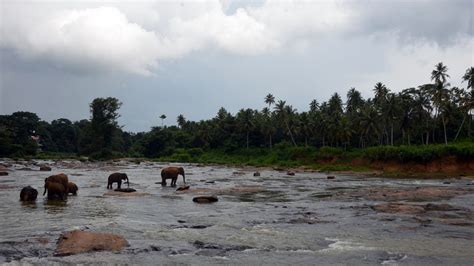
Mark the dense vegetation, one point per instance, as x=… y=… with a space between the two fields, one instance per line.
x=391 y=125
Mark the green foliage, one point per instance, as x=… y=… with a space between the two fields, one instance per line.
x=406 y=126
x=420 y=154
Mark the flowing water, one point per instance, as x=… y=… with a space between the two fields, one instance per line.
x=273 y=219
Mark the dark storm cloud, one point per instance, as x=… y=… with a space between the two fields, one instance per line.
x=440 y=21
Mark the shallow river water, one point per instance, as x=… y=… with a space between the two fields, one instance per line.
x=274 y=219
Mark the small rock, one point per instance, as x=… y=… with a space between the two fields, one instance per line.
x=256 y=174
x=199 y=226
x=446 y=182
x=183 y=188
x=205 y=199
x=330 y=177
x=75 y=242
x=181 y=221
x=3 y=173
x=210 y=182
x=290 y=173
x=127 y=190
x=45 y=168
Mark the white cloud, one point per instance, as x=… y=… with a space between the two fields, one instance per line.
x=99 y=38
x=135 y=37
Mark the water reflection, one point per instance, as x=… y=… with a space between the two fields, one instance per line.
x=29 y=204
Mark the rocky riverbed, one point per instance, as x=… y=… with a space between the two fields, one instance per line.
x=270 y=218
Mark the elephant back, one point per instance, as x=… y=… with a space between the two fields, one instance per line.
x=59 y=179
x=28 y=194
x=117 y=176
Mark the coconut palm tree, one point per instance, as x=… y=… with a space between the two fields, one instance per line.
x=439 y=73
x=267 y=127
x=269 y=99
x=163 y=117
x=469 y=77
x=245 y=119
x=313 y=106
x=284 y=114
x=440 y=94
x=181 y=121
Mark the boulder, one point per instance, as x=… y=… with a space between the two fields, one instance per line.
x=205 y=199
x=127 y=190
x=256 y=174
x=122 y=194
x=3 y=173
x=330 y=177
x=45 y=168
x=183 y=188
x=290 y=173
x=74 y=242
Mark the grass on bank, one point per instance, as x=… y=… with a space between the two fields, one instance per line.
x=325 y=158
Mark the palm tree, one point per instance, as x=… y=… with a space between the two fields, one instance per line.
x=267 y=125
x=284 y=115
x=439 y=73
x=354 y=101
x=313 y=106
x=181 y=121
x=440 y=93
x=469 y=77
x=245 y=120
x=390 y=112
x=163 y=117
x=380 y=92
x=369 y=123
x=269 y=99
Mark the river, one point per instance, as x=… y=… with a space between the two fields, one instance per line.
x=273 y=219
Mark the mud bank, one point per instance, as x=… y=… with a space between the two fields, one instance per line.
x=448 y=166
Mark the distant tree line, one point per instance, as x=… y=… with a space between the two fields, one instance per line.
x=430 y=113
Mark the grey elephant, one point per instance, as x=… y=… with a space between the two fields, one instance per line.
x=117 y=178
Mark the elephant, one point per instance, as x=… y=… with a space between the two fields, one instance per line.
x=57 y=186
x=117 y=178
x=72 y=188
x=171 y=173
x=28 y=194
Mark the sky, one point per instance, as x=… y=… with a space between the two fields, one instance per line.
x=193 y=57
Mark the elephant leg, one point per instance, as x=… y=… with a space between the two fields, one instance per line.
x=174 y=182
x=119 y=184
x=109 y=185
x=163 y=182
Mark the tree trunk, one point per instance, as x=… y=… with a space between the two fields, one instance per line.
x=391 y=134
x=247 y=139
x=403 y=136
x=460 y=127
x=444 y=127
x=291 y=134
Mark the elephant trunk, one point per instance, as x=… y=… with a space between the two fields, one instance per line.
x=44 y=190
x=184 y=180
x=128 y=182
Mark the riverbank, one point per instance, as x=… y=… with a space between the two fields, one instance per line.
x=432 y=161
